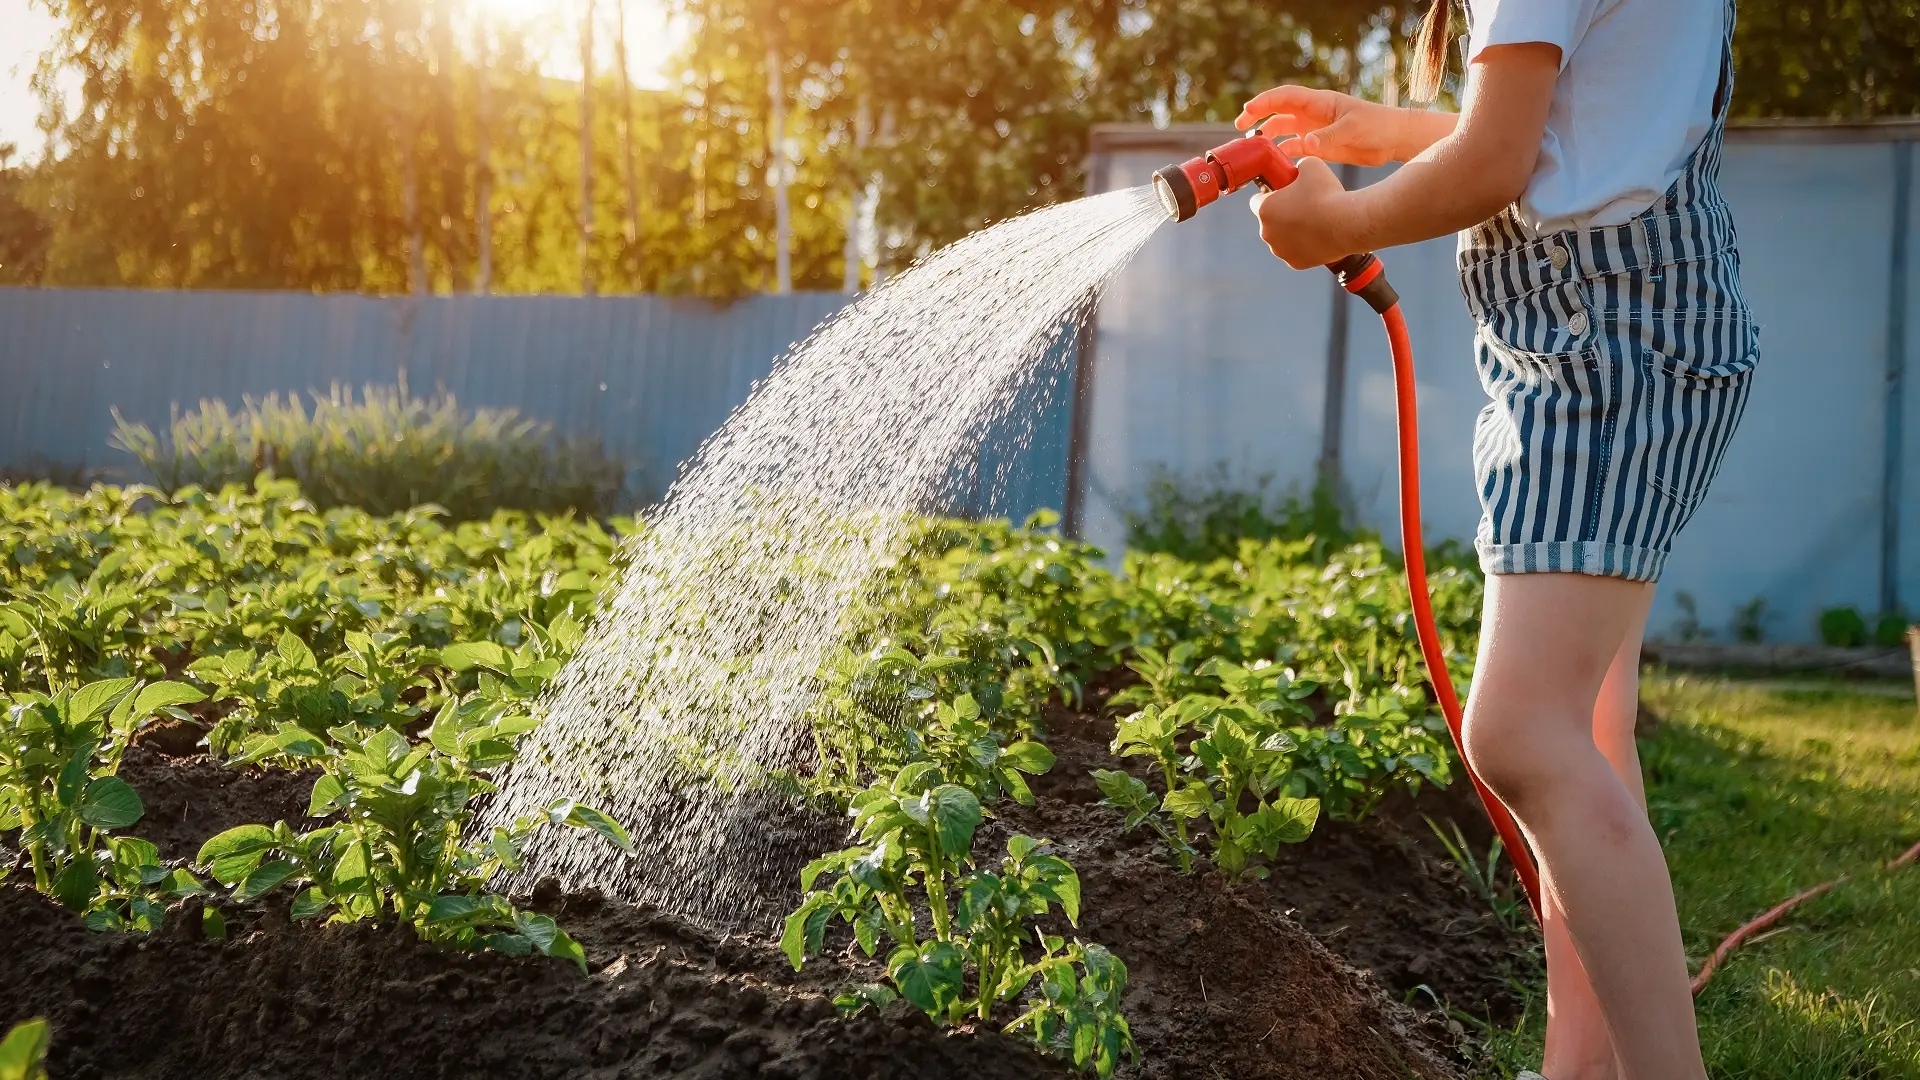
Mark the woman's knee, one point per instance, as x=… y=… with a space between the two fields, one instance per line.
x=1519 y=750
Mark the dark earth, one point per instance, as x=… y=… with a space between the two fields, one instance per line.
x=1230 y=981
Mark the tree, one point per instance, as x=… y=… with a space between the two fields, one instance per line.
x=24 y=234
x=1838 y=59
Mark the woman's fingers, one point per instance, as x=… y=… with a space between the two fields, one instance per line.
x=1306 y=144
x=1303 y=105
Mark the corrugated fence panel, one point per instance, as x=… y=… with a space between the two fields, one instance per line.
x=650 y=377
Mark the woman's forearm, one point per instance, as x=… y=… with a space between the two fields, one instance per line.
x=1443 y=189
x=1420 y=129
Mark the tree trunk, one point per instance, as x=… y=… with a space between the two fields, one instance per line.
x=857 y=199
x=777 y=166
x=410 y=203
x=483 y=165
x=586 y=151
x=626 y=123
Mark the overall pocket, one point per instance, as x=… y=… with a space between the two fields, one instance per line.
x=1698 y=368
x=1550 y=325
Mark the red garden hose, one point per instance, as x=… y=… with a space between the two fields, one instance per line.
x=1364 y=279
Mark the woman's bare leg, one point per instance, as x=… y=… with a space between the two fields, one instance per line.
x=1546 y=647
x=1578 y=1046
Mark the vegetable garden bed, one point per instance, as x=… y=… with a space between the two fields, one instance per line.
x=420 y=646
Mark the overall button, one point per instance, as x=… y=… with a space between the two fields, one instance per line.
x=1577 y=324
x=1557 y=255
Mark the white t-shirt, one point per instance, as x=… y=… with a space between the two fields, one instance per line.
x=1634 y=99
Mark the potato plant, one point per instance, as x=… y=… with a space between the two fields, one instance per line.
x=916 y=843
x=59 y=756
x=399 y=845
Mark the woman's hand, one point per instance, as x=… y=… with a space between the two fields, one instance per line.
x=1339 y=127
x=1310 y=222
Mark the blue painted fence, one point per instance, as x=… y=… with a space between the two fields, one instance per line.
x=649 y=377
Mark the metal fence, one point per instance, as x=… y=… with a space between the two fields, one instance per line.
x=649 y=377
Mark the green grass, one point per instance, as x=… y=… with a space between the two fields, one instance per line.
x=1759 y=794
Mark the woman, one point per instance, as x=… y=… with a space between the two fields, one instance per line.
x=1597 y=258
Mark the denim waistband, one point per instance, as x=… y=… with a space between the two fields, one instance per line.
x=1660 y=237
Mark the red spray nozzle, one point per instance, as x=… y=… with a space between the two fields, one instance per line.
x=1254 y=159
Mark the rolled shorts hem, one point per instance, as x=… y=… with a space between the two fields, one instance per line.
x=1573 y=557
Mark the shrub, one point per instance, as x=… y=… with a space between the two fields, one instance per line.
x=384 y=452
x=1207 y=520
x=1843 y=626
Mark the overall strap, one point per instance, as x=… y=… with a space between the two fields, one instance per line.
x=1723 y=95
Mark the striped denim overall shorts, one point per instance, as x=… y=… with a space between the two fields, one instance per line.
x=1618 y=361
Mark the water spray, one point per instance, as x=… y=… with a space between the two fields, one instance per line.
x=1256 y=159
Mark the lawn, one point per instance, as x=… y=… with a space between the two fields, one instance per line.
x=1758 y=794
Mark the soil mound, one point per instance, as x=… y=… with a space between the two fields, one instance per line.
x=1223 y=983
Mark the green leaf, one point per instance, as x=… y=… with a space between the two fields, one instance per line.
x=954 y=813
x=24 y=1050
x=855 y=998
x=387 y=746
x=1020 y=845
x=505 y=848
x=930 y=976
x=586 y=817
x=213 y=924
x=328 y=792
x=97 y=698
x=295 y=652
x=564 y=947
x=446 y=909
x=233 y=854
x=806 y=928
x=73 y=775
x=76 y=884
x=472 y=654
x=508 y=944
x=351 y=871
x=165 y=695
x=1029 y=757
x=1062 y=881
x=1297 y=819
x=109 y=803
x=264 y=879
x=309 y=903
x=1192 y=801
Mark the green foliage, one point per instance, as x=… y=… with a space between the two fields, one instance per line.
x=1228 y=762
x=1890 y=630
x=23 y=1052
x=1838 y=59
x=1204 y=521
x=916 y=842
x=1483 y=875
x=59 y=754
x=240 y=587
x=1843 y=626
x=398 y=847
x=385 y=452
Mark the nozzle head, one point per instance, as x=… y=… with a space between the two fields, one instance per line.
x=1176 y=193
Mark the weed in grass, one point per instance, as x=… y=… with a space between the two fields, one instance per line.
x=385 y=452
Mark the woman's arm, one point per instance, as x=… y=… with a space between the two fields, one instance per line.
x=1460 y=179
x=1340 y=127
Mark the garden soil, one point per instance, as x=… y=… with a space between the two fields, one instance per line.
x=1227 y=981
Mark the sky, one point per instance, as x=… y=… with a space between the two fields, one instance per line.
x=26 y=30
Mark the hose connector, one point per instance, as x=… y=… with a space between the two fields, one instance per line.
x=1365 y=276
